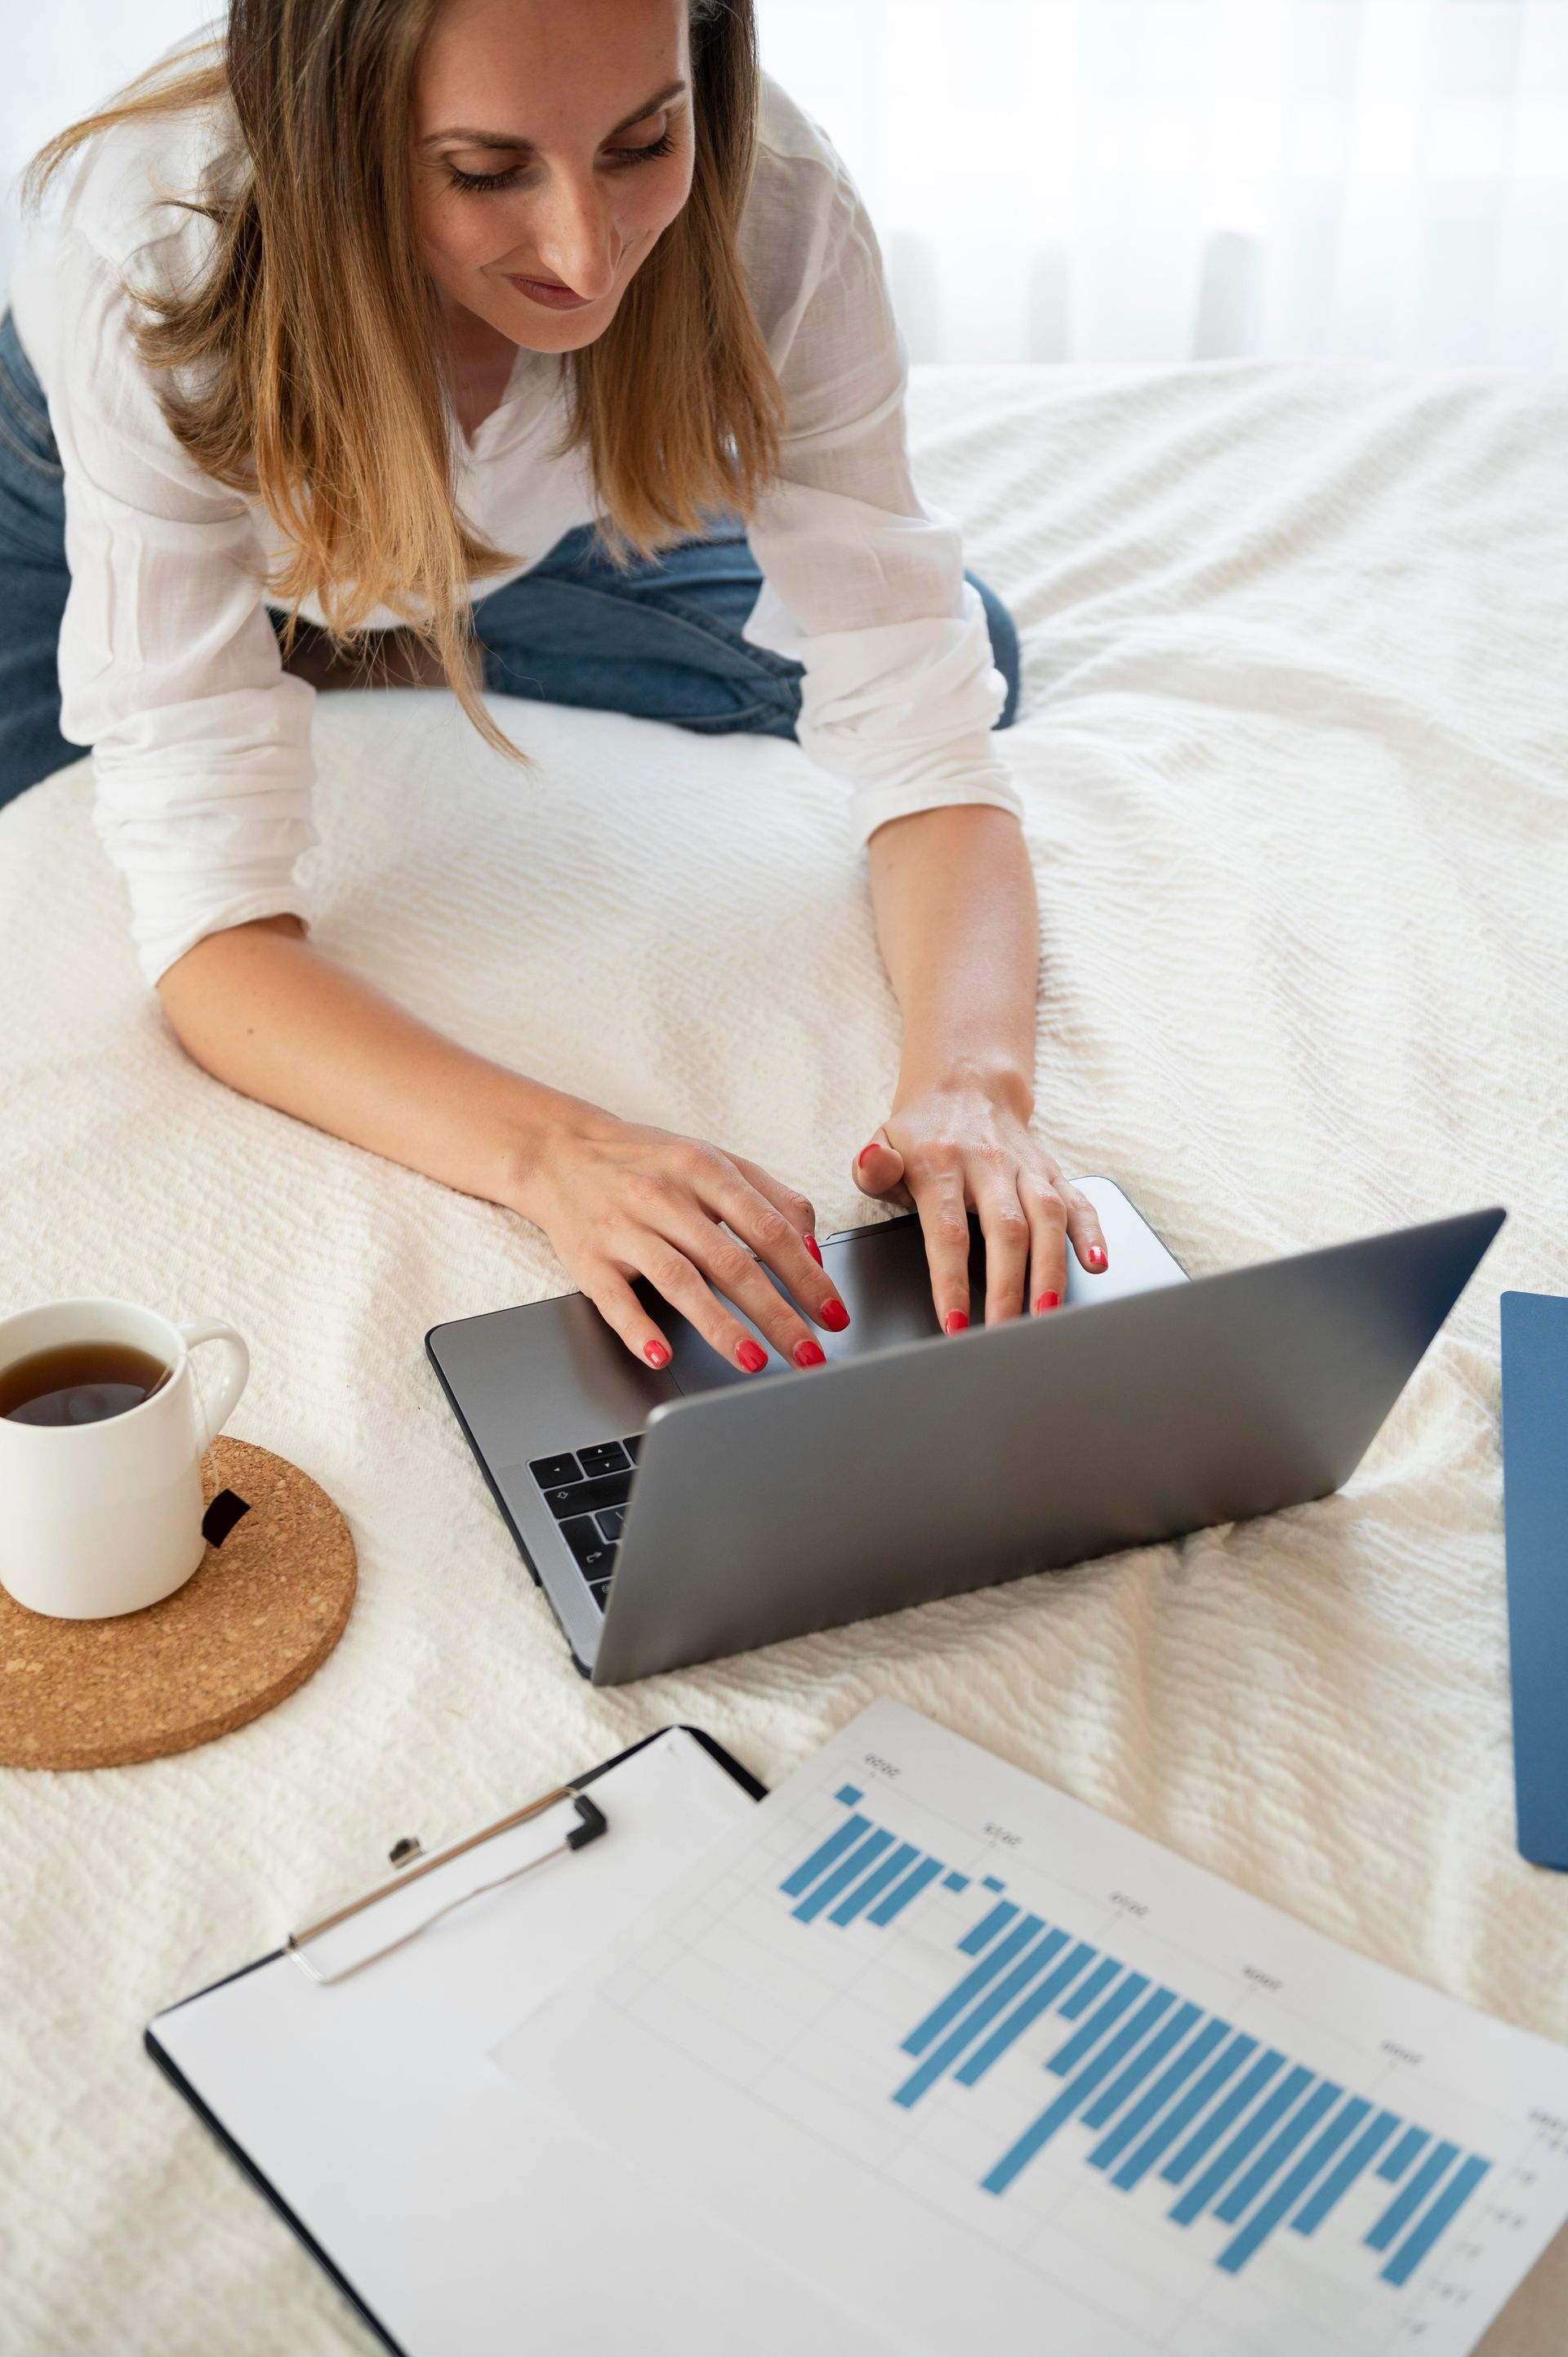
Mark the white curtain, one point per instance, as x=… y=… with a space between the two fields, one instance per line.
x=1172 y=180
x=58 y=60
x=1123 y=180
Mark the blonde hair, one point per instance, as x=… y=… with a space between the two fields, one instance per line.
x=312 y=345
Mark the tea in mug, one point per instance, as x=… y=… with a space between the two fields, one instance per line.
x=78 y=1382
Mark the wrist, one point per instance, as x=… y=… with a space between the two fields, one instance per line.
x=998 y=1081
x=532 y=1127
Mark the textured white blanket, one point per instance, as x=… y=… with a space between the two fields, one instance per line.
x=1294 y=746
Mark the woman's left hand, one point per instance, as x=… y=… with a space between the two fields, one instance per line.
x=949 y=1150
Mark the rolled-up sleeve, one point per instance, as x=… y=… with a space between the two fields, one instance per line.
x=169 y=667
x=863 y=580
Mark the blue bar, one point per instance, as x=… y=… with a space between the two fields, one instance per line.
x=1209 y=2132
x=987 y=1928
x=955 y=1881
x=820 y=1859
x=1133 y=2122
x=849 y=1794
x=1339 y=2181
x=1231 y=2157
x=991 y=1882
x=1039 y=2001
x=1180 y=2115
x=1220 y=2170
x=898 y=1897
x=956 y=1999
x=1404 y=2153
x=1273 y=2156
x=1074 y=2005
x=876 y=1880
x=1055 y=2116
x=1067 y=2058
x=1267 y=2214
x=1453 y=2196
x=1405 y=2204
x=839 y=1880
x=1106 y=2107
x=974 y=2022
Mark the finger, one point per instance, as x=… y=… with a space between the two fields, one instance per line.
x=879 y=1171
x=1047 y=1215
x=796 y=1207
x=676 y=1277
x=621 y=1310
x=794 y=1258
x=740 y=1277
x=1004 y=1225
x=1083 y=1226
x=945 y=1224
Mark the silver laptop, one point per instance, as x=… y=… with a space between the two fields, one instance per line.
x=673 y=1517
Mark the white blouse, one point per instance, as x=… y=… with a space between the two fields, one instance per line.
x=169 y=667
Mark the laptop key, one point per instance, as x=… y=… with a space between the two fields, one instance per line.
x=596 y=1556
x=633 y=1446
x=589 y=1496
x=550 y=1471
x=604 y=1456
x=612 y=1523
x=599 y=1589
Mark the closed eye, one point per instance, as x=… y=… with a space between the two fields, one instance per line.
x=663 y=145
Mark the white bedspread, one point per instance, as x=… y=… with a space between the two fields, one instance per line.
x=1295 y=746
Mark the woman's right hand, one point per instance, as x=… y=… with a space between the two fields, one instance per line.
x=619 y=1200
x=259 y=1005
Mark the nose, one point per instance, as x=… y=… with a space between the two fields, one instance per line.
x=573 y=235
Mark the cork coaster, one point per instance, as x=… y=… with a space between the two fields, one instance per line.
x=264 y=1608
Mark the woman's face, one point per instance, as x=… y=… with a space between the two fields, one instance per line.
x=551 y=145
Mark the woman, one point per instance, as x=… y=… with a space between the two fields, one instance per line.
x=554 y=338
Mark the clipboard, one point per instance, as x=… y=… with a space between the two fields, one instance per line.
x=361 y=2104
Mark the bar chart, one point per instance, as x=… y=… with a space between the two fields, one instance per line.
x=961 y=2051
x=1256 y=2140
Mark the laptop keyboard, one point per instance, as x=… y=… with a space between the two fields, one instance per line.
x=587 y=1491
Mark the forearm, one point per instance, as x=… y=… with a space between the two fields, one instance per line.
x=263 y=1010
x=959 y=928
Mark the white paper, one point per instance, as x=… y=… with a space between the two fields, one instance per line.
x=470 y=2222
x=784 y=2071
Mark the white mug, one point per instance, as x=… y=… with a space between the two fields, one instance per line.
x=103 y=1518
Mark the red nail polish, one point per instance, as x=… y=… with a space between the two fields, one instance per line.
x=955 y=1322
x=1095 y=1256
x=809 y=1354
x=814 y=1248
x=860 y=1158
x=656 y=1353
x=1048 y=1301
x=834 y=1315
x=751 y=1355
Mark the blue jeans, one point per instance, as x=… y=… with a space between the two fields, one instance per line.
x=661 y=641
x=34 y=577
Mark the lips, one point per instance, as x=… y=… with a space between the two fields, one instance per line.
x=550 y=298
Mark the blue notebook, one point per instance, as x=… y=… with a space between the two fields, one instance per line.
x=1535 y=1508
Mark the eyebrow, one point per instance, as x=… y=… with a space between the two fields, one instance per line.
x=503 y=139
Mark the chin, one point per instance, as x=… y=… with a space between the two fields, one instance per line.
x=537 y=330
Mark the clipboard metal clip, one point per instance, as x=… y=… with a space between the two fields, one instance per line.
x=591 y=1822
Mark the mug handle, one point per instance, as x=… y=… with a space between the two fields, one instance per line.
x=231 y=1384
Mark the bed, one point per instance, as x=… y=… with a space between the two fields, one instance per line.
x=1294 y=749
